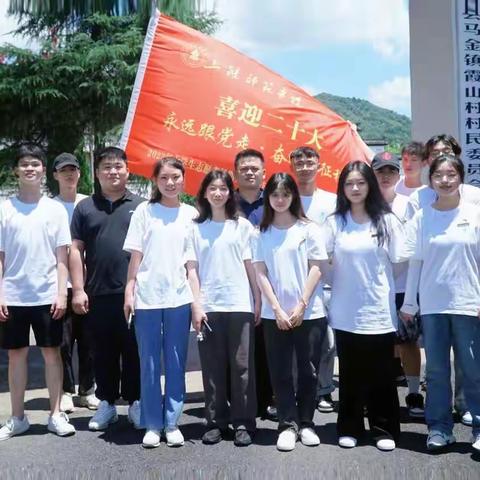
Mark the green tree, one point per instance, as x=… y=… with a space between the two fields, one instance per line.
x=73 y=93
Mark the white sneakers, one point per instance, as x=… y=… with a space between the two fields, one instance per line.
x=308 y=437
x=476 y=442
x=66 y=403
x=89 y=401
x=59 y=424
x=104 y=416
x=134 y=414
x=14 y=426
x=437 y=439
x=386 y=444
x=347 y=442
x=467 y=419
x=151 y=439
x=174 y=437
x=286 y=440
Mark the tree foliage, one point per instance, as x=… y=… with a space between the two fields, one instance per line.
x=374 y=123
x=74 y=92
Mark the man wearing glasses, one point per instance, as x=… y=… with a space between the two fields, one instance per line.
x=317 y=204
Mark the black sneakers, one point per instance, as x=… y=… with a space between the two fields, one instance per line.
x=242 y=438
x=415 y=406
x=212 y=436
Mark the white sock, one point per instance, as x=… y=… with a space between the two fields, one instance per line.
x=413 y=384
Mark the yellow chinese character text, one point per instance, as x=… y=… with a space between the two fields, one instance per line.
x=224 y=136
x=251 y=115
x=207 y=131
x=227 y=107
x=170 y=121
x=279 y=155
x=187 y=127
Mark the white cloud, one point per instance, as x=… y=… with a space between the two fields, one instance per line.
x=251 y=25
x=311 y=89
x=7 y=26
x=392 y=94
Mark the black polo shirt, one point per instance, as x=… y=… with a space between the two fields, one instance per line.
x=251 y=211
x=102 y=226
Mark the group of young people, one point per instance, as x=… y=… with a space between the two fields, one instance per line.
x=263 y=275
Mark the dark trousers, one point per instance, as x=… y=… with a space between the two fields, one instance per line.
x=295 y=410
x=262 y=375
x=75 y=329
x=367 y=380
x=115 y=350
x=229 y=346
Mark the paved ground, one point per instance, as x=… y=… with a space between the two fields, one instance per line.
x=117 y=453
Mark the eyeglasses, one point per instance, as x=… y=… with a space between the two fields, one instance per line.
x=438 y=177
x=245 y=170
x=442 y=151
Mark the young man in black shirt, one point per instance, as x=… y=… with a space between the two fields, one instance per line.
x=99 y=226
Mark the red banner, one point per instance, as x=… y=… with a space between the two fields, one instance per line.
x=200 y=100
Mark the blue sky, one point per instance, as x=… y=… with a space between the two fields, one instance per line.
x=352 y=48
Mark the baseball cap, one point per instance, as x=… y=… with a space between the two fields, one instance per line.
x=65 y=159
x=385 y=159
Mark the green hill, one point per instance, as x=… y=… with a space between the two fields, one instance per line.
x=374 y=123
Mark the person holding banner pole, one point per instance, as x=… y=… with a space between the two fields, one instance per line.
x=223 y=284
x=159 y=296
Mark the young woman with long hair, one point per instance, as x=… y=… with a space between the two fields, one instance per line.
x=444 y=239
x=223 y=283
x=159 y=296
x=288 y=252
x=363 y=240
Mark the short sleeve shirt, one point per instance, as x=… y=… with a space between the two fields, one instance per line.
x=30 y=233
x=286 y=253
x=102 y=226
x=160 y=234
x=221 y=249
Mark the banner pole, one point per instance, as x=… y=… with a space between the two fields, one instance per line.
x=153 y=7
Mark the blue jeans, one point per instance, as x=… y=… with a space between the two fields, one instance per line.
x=160 y=329
x=440 y=333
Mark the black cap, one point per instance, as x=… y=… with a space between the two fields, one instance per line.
x=65 y=159
x=385 y=159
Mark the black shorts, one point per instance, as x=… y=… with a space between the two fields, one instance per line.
x=15 y=332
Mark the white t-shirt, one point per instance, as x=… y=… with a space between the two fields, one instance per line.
x=319 y=206
x=425 y=196
x=363 y=289
x=286 y=252
x=221 y=248
x=402 y=189
x=448 y=244
x=400 y=270
x=160 y=234
x=70 y=206
x=30 y=233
